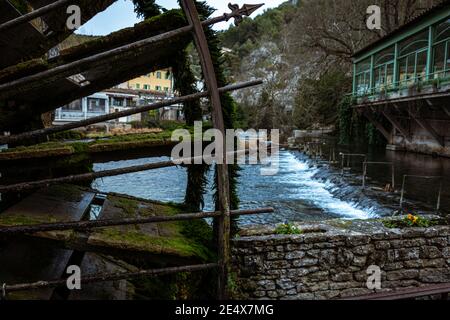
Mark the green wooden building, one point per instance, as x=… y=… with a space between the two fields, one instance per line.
x=401 y=83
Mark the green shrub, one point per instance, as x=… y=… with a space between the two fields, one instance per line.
x=410 y=221
x=288 y=228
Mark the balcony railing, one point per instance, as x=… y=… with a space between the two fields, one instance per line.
x=419 y=81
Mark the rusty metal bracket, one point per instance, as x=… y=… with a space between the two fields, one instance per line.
x=239 y=13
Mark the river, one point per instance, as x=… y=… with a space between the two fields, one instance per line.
x=303 y=189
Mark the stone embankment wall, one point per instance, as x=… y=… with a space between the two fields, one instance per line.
x=333 y=264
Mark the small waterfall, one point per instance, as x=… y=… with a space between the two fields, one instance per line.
x=298 y=192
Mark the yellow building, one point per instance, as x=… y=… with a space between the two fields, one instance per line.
x=161 y=80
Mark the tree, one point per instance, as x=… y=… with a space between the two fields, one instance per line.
x=337 y=28
x=317 y=99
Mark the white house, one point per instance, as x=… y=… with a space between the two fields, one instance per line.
x=116 y=100
x=84 y=108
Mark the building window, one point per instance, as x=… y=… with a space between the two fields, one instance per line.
x=138 y=86
x=441 y=50
x=158 y=88
x=158 y=75
x=74 y=106
x=363 y=77
x=96 y=105
x=443 y=31
x=384 y=69
x=146 y=87
x=167 y=75
x=166 y=89
x=413 y=58
x=117 y=102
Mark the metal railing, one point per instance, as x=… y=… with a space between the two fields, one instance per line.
x=367 y=163
x=438 y=78
x=349 y=157
x=406 y=176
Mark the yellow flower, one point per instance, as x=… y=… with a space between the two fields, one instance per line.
x=410 y=217
x=415 y=219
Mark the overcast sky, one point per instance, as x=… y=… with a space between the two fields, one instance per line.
x=121 y=14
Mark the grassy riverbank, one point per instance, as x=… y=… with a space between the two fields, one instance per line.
x=90 y=144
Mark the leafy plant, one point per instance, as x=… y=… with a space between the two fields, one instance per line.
x=288 y=229
x=410 y=221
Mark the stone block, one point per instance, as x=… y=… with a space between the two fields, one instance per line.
x=278 y=264
x=344 y=257
x=327 y=258
x=355 y=292
x=275 y=255
x=327 y=295
x=430 y=252
x=402 y=275
x=346 y=285
x=295 y=255
x=434 y=263
x=266 y=285
x=359 y=240
x=259 y=294
x=285 y=284
x=318 y=276
x=319 y=286
x=298 y=274
x=409 y=243
x=434 y=275
x=403 y=254
x=438 y=242
x=394 y=266
x=359 y=261
x=446 y=252
x=342 y=277
x=382 y=245
x=363 y=250
x=303 y=296
x=305 y=262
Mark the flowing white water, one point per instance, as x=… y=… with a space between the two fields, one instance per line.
x=299 y=173
x=293 y=192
